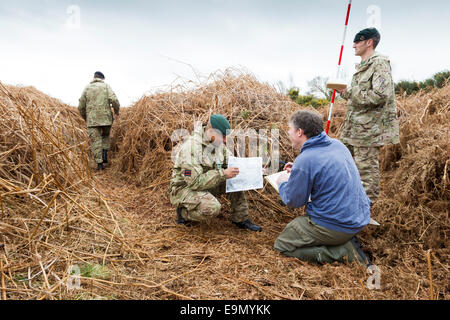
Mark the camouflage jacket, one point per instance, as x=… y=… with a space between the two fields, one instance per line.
x=371 y=118
x=198 y=166
x=95 y=104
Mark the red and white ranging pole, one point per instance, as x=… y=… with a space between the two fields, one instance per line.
x=339 y=65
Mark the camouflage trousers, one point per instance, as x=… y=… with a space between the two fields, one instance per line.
x=99 y=141
x=202 y=206
x=368 y=164
x=307 y=241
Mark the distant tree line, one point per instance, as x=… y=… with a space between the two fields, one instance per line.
x=318 y=86
x=437 y=81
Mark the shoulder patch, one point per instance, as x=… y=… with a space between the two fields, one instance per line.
x=187 y=173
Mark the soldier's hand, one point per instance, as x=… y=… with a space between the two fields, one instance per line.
x=288 y=167
x=231 y=173
x=116 y=116
x=342 y=92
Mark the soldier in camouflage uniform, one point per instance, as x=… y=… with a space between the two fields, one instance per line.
x=199 y=177
x=371 y=119
x=95 y=108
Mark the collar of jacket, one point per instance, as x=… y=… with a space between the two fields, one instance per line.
x=369 y=61
x=205 y=140
x=320 y=140
x=97 y=80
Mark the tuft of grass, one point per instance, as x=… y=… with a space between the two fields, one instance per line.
x=20 y=276
x=97 y=271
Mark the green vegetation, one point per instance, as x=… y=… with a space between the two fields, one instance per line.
x=20 y=277
x=306 y=100
x=437 y=81
x=95 y=271
x=318 y=85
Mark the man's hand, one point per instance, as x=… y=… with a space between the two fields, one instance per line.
x=342 y=92
x=231 y=173
x=283 y=178
x=288 y=167
x=116 y=116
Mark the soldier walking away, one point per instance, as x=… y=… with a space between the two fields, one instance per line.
x=95 y=108
x=371 y=119
x=200 y=174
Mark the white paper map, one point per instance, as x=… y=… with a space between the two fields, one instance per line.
x=273 y=178
x=250 y=175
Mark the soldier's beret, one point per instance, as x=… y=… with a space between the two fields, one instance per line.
x=366 y=34
x=100 y=75
x=219 y=122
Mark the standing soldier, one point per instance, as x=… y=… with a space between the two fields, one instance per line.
x=95 y=108
x=200 y=175
x=371 y=120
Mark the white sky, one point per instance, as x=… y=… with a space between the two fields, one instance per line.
x=141 y=46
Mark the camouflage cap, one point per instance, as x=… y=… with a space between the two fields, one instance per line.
x=220 y=123
x=366 y=34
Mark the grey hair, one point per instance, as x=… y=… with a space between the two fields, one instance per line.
x=309 y=121
x=376 y=40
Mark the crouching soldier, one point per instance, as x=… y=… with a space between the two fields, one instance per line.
x=95 y=108
x=200 y=174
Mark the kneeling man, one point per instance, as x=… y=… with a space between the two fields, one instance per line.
x=324 y=177
x=200 y=174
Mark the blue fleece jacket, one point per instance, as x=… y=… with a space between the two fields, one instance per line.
x=326 y=172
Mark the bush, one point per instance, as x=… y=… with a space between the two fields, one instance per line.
x=306 y=100
x=407 y=86
x=437 y=81
x=441 y=78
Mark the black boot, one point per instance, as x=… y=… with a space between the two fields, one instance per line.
x=100 y=167
x=105 y=156
x=180 y=219
x=247 y=224
x=358 y=247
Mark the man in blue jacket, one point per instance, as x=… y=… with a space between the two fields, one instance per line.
x=324 y=177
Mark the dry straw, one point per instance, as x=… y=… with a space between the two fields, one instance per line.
x=119 y=226
x=47 y=197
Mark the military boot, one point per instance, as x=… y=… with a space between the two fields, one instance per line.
x=100 y=167
x=105 y=156
x=247 y=224
x=180 y=219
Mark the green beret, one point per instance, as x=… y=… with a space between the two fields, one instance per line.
x=219 y=122
x=366 y=34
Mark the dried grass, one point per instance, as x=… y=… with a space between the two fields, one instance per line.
x=123 y=221
x=143 y=133
x=50 y=213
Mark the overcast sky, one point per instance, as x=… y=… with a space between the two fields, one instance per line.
x=142 y=46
